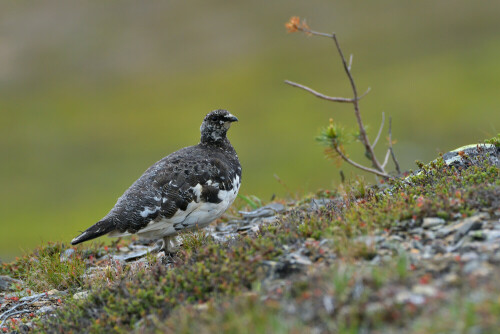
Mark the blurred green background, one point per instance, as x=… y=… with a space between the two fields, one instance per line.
x=92 y=93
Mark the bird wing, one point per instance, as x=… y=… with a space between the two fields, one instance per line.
x=164 y=193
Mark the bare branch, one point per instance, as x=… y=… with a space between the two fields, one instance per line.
x=323 y=96
x=12 y=311
x=10 y=315
x=312 y=32
x=350 y=62
x=355 y=164
x=365 y=93
x=396 y=164
x=386 y=159
x=318 y=94
x=379 y=131
x=362 y=131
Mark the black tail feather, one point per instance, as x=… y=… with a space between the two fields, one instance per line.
x=98 y=229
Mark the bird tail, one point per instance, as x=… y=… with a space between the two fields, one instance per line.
x=98 y=229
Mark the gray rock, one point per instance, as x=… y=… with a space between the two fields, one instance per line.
x=426 y=290
x=471 y=153
x=439 y=246
x=329 y=304
x=444 y=232
x=469 y=224
x=266 y=211
x=67 y=255
x=432 y=221
x=317 y=203
x=370 y=240
x=417 y=231
x=429 y=235
x=6 y=282
x=81 y=295
x=491 y=235
x=46 y=309
x=417 y=245
x=395 y=237
x=469 y=256
x=472 y=266
x=404 y=297
x=138 y=252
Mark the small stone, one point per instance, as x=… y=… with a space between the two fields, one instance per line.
x=469 y=256
x=471 y=266
x=471 y=246
x=52 y=292
x=201 y=307
x=81 y=295
x=40 y=303
x=396 y=238
x=404 y=297
x=424 y=290
x=6 y=282
x=265 y=211
x=443 y=232
x=67 y=255
x=46 y=309
x=417 y=231
x=329 y=304
x=491 y=234
x=482 y=271
x=432 y=221
x=439 y=246
x=470 y=224
x=370 y=240
x=451 y=278
x=374 y=308
x=429 y=235
x=389 y=246
x=417 y=245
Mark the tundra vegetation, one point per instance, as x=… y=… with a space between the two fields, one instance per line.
x=418 y=252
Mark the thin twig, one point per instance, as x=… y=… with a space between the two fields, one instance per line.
x=326 y=97
x=317 y=33
x=365 y=93
x=10 y=312
x=379 y=131
x=396 y=164
x=386 y=159
x=12 y=309
x=13 y=314
x=322 y=96
x=355 y=164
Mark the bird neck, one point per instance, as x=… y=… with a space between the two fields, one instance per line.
x=210 y=141
x=214 y=138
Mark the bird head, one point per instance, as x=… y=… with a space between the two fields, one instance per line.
x=215 y=125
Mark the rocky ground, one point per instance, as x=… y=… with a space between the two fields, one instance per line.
x=418 y=255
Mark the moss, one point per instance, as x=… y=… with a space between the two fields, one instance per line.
x=45 y=269
x=494 y=141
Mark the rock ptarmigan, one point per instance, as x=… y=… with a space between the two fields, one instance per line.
x=188 y=189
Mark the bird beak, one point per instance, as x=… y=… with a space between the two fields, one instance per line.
x=231 y=118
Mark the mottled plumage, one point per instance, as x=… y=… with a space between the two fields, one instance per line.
x=187 y=189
